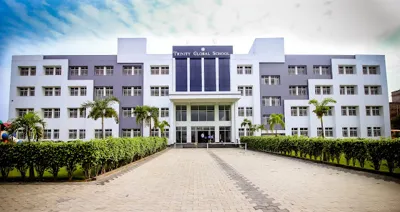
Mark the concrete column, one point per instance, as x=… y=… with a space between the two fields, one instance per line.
x=202 y=74
x=172 y=123
x=173 y=74
x=233 y=122
x=216 y=119
x=188 y=74
x=188 y=127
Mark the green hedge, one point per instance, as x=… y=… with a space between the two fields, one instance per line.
x=94 y=157
x=373 y=152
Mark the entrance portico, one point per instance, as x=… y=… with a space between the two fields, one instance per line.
x=203 y=117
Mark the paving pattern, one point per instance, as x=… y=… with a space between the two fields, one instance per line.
x=213 y=180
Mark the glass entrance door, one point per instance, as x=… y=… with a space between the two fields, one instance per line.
x=203 y=134
x=225 y=134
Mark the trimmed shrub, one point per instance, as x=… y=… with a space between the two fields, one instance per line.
x=354 y=149
x=95 y=156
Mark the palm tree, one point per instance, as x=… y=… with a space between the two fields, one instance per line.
x=102 y=108
x=247 y=123
x=146 y=114
x=275 y=119
x=31 y=124
x=256 y=127
x=162 y=126
x=321 y=109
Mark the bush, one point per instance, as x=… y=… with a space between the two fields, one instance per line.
x=361 y=150
x=95 y=156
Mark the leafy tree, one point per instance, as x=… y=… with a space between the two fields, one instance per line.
x=162 y=126
x=102 y=108
x=321 y=109
x=31 y=124
x=275 y=119
x=146 y=114
x=246 y=123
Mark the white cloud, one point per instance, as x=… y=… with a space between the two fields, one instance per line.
x=309 y=27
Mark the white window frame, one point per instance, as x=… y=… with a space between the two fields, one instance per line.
x=347 y=69
x=271 y=101
x=128 y=112
x=164 y=112
x=249 y=111
x=241 y=111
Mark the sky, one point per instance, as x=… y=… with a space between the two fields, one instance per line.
x=46 y=27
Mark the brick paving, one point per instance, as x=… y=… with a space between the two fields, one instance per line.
x=214 y=180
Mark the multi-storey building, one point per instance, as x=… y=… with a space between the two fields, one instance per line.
x=204 y=91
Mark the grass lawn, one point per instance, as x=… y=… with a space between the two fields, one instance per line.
x=367 y=165
x=62 y=174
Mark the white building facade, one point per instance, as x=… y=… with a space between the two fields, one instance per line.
x=204 y=92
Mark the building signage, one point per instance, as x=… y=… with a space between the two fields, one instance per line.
x=202 y=51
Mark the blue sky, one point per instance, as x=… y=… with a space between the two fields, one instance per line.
x=92 y=27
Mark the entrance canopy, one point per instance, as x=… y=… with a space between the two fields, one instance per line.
x=204 y=97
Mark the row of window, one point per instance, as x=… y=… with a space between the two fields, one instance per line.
x=128 y=112
x=98 y=70
x=345 y=111
x=55 y=112
x=203 y=113
x=72 y=134
x=52 y=91
x=326 y=70
x=346 y=131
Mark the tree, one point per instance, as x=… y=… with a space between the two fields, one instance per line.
x=146 y=114
x=275 y=119
x=162 y=126
x=31 y=125
x=256 y=127
x=321 y=109
x=102 y=108
x=247 y=123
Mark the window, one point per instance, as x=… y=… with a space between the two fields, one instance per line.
x=47 y=113
x=127 y=133
x=103 y=70
x=82 y=134
x=52 y=71
x=77 y=91
x=249 y=111
x=319 y=131
x=98 y=133
x=27 y=71
x=202 y=113
x=241 y=111
x=56 y=134
x=132 y=70
x=56 y=113
x=132 y=91
x=348 y=90
x=154 y=132
x=164 y=70
x=155 y=91
x=371 y=70
x=246 y=90
x=270 y=80
x=26 y=91
x=372 y=90
x=73 y=134
x=323 y=89
x=374 y=131
x=164 y=91
x=295 y=131
x=271 y=101
x=303 y=111
x=321 y=70
x=155 y=70
x=349 y=111
x=353 y=131
x=373 y=110
x=244 y=69
x=297 y=70
x=345 y=133
x=293 y=111
x=46 y=134
x=165 y=133
x=164 y=112
x=23 y=111
x=347 y=69
x=241 y=132
x=224 y=112
x=181 y=113
x=52 y=91
x=103 y=91
x=78 y=70
x=73 y=112
x=127 y=112
x=304 y=131
x=297 y=90
x=329 y=112
x=248 y=132
x=328 y=132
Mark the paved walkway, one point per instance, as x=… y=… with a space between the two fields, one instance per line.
x=214 y=180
